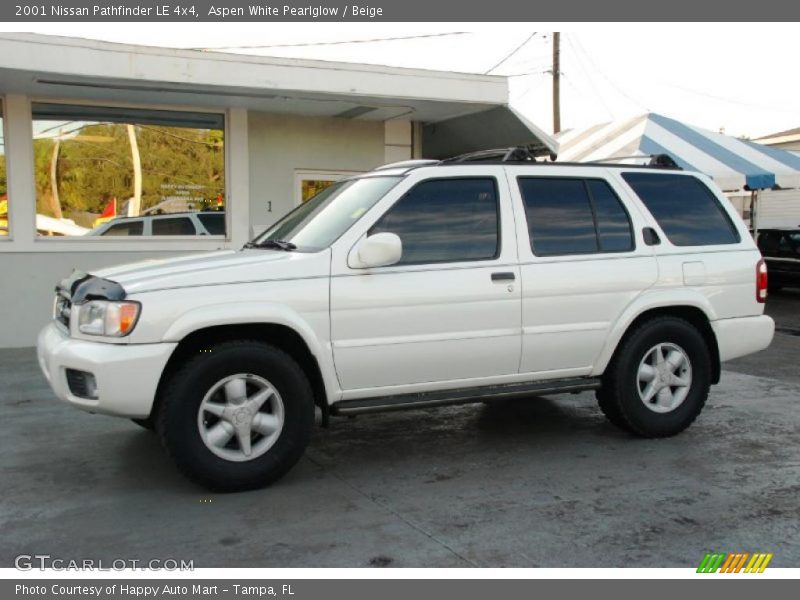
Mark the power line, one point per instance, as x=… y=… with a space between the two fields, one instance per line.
x=512 y=53
x=580 y=47
x=338 y=43
x=588 y=78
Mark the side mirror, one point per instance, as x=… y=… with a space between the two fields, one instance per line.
x=379 y=250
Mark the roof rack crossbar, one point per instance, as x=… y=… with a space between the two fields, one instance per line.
x=663 y=161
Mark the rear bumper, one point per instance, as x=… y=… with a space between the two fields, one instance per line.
x=127 y=375
x=742 y=336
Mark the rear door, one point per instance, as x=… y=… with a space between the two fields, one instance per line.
x=583 y=262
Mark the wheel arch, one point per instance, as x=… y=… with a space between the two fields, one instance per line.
x=279 y=334
x=695 y=313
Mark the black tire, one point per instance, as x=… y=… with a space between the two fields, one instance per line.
x=177 y=421
x=609 y=409
x=620 y=399
x=149 y=423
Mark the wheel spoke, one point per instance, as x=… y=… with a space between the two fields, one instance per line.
x=257 y=400
x=675 y=359
x=236 y=390
x=659 y=358
x=265 y=424
x=664 y=397
x=649 y=391
x=220 y=434
x=214 y=408
x=243 y=436
x=679 y=381
x=646 y=372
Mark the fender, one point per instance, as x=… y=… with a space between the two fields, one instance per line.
x=648 y=300
x=239 y=313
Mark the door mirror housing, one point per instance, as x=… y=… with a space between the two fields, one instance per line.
x=379 y=250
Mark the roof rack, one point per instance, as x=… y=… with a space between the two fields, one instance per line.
x=662 y=161
x=515 y=154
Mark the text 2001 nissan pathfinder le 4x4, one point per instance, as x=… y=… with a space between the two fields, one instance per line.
x=420 y=284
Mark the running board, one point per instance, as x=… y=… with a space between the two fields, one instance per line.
x=463 y=395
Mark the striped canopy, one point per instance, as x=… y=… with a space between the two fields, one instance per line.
x=734 y=164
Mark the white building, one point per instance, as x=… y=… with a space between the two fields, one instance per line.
x=88 y=125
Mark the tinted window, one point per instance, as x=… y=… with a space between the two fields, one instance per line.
x=173 y=226
x=214 y=223
x=685 y=208
x=559 y=215
x=128 y=228
x=445 y=220
x=613 y=224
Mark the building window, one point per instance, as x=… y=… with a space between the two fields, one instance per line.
x=98 y=168
x=310 y=183
x=3 y=179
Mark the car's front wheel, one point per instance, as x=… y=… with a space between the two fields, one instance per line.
x=659 y=379
x=238 y=416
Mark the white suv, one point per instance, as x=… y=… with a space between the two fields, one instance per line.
x=421 y=284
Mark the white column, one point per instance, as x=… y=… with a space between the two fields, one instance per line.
x=237 y=176
x=397 y=141
x=19 y=168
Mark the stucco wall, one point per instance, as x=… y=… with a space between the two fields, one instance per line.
x=279 y=145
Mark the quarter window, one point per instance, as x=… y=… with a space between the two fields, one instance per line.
x=574 y=216
x=446 y=220
x=687 y=211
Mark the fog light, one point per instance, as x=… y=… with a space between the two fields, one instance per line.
x=82 y=384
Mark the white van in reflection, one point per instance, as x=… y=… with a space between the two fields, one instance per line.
x=188 y=223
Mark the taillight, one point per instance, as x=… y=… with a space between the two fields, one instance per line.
x=761 y=281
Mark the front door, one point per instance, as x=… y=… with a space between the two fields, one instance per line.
x=449 y=311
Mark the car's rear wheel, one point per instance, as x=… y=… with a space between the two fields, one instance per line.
x=659 y=380
x=237 y=417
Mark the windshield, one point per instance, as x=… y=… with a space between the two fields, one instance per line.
x=320 y=221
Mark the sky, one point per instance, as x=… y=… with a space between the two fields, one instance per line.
x=738 y=78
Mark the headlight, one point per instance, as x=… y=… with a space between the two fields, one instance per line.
x=101 y=317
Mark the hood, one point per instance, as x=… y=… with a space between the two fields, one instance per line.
x=216 y=268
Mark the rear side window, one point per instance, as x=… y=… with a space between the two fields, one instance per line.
x=688 y=212
x=446 y=220
x=127 y=228
x=173 y=226
x=574 y=216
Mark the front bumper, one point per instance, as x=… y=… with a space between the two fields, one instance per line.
x=127 y=375
x=742 y=336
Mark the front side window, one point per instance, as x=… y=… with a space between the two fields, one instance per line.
x=94 y=164
x=574 y=216
x=687 y=211
x=446 y=220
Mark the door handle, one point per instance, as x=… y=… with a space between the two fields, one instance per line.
x=506 y=276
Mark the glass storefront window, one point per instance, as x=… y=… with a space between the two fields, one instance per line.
x=103 y=171
x=3 y=179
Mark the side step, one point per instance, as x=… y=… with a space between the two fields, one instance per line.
x=463 y=395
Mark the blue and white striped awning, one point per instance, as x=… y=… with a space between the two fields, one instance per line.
x=734 y=164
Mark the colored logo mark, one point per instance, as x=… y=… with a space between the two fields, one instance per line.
x=734 y=562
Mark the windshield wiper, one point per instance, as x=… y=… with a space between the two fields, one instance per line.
x=279 y=244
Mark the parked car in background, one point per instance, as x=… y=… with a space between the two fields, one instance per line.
x=781 y=251
x=189 y=223
x=416 y=285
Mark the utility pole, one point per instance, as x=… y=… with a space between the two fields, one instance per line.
x=55 y=203
x=135 y=204
x=556 y=82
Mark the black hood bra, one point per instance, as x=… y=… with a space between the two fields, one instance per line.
x=83 y=287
